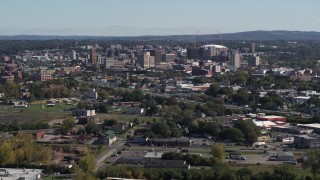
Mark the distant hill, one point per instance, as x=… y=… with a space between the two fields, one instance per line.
x=249 y=35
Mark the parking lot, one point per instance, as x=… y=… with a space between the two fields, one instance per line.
x=253 y=155
x=262 y=159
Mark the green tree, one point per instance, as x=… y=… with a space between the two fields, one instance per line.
x=7 y=155
x=41 y=154
x=152 y=110
x=145 y=81
x=283 y=172
x=85 y=167
x=12 y=90
x=265 y=175
x=313 y=162
x=217 y=151
x=272 y=101
x=135 y=95
x=232 y=134
x=213 y=89
x=86 y=163
x=172 y=101
x=187 y=118
x=248 y=129
x=115 y=171
x=244 y=174
x=80 y=175
x=68 y=124
x=103 y=108
x=209 y=127
x=226 y=91
x=172 y=156
x=171 y=113
x=175 y=133
x=223 y=171
x=23 y=149
x=83 y=105
x=110 y=122
x=92 y=128
x=161 y=129
x=314 y=101
x=104 y=94
x=241 y=97
x=240 y=77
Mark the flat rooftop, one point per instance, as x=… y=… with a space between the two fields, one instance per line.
x=153 y=155
x=313 y=126
x=270 y=116
x=11 y=173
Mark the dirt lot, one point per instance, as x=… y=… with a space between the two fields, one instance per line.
x=4 y=118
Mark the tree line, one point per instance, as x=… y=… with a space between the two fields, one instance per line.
x=218 y=171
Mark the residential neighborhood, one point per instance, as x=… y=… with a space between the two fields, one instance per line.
x=142 y=105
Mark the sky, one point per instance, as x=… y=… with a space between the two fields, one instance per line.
x=155 y=17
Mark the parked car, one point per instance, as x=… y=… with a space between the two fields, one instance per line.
x=185 y=150
x=273 y=158
x=243 y=158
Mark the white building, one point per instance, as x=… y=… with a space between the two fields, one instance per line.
x=182 y=52
x=301 y=99
x=211 y=50
x=264 y=124
x=216 y=69
x=73 y=55
x=282 y=71
x=235 y=59
x=309 y=93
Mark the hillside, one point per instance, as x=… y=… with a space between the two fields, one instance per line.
x=249 y=35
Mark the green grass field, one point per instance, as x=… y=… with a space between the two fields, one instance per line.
x=34 y=113
x=42 y=113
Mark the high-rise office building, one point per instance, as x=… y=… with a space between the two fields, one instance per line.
x=235 y=59
x=152 y=62
x=253 y=47
x=100 y=60
x=193 y=53
x=254 y=61
x=157 y=55
x=73 y=55
x=146 y=60
x=93 y=56
x=170 y=57
x=208 y=51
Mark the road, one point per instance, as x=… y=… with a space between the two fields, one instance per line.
x=112 y=149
